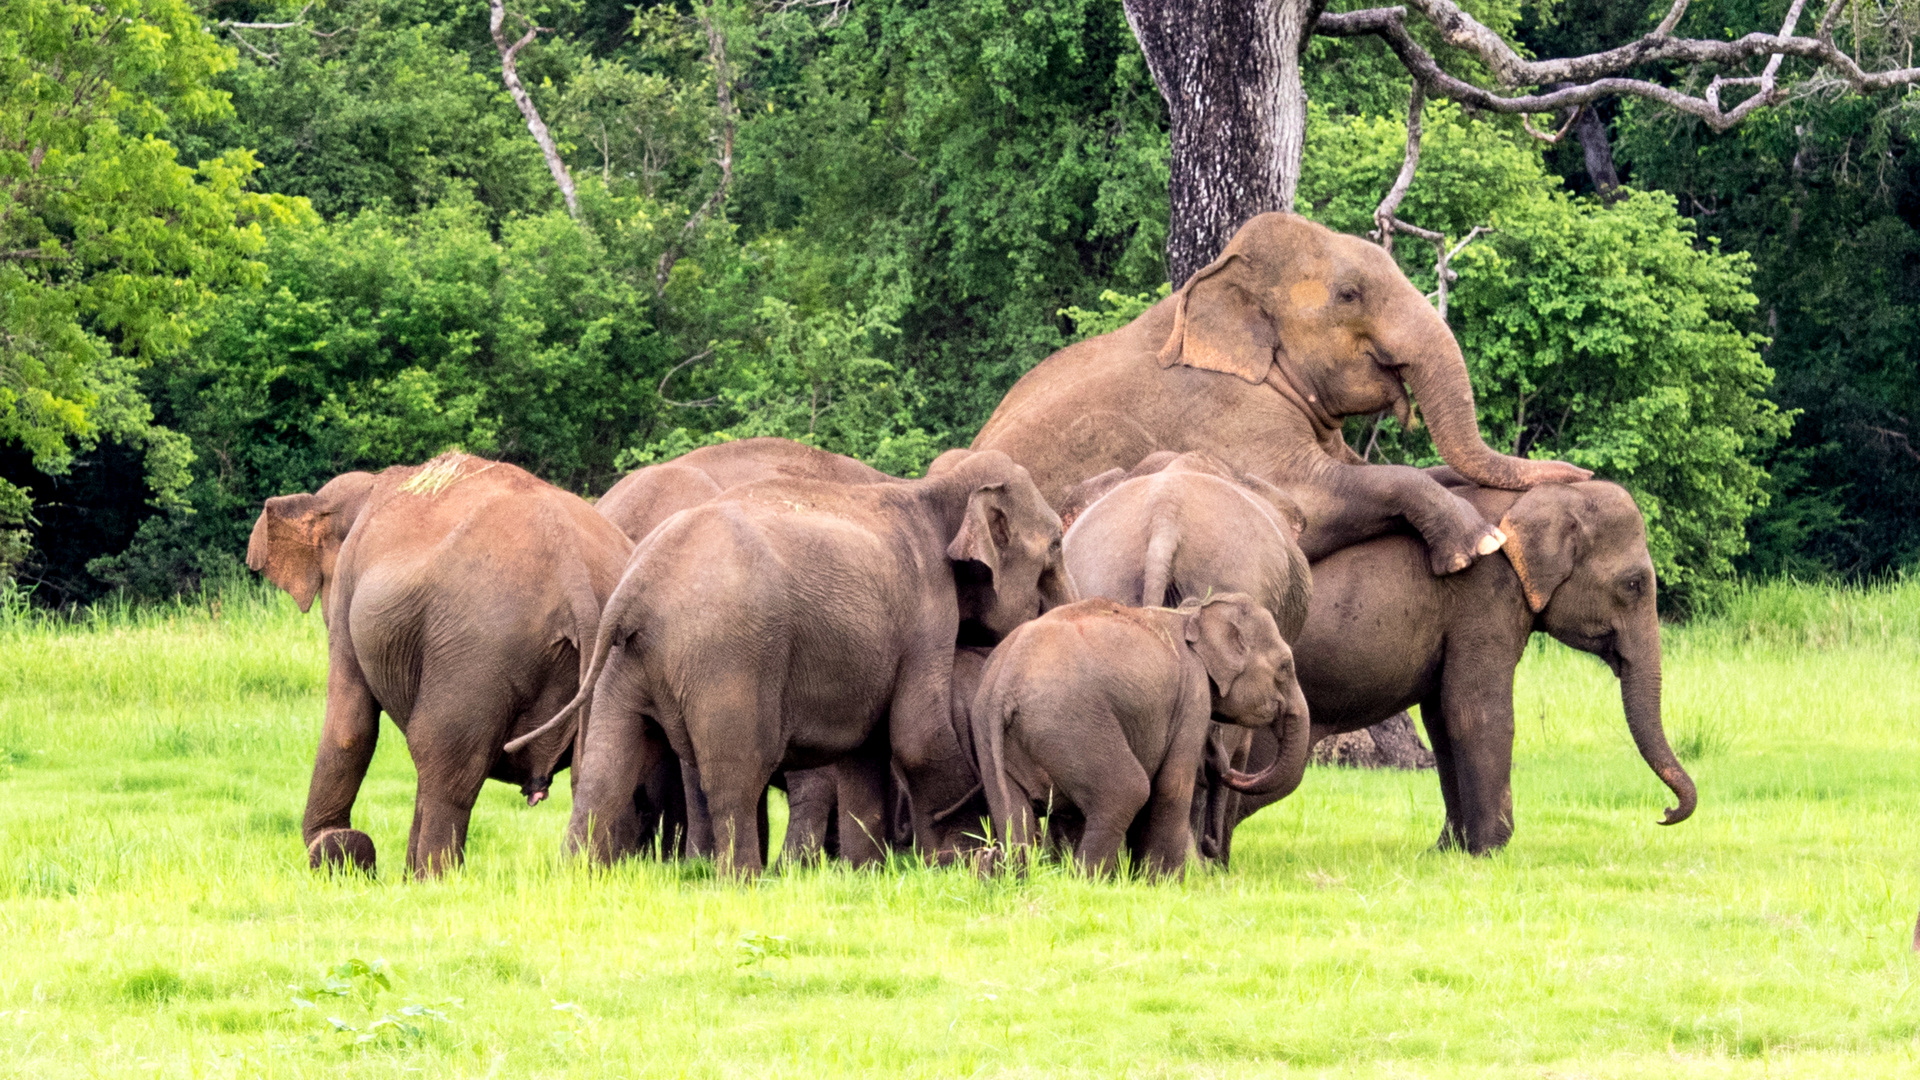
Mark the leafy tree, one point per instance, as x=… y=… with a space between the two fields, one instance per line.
x=109 y=246
x=1603 y=334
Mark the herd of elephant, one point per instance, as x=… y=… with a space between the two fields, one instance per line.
x=1115 y=625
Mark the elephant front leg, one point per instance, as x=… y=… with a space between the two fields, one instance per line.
x=347 y=738
x=1453 y=833
x=1478 y=713
x=860 y=786
x=1348 y=504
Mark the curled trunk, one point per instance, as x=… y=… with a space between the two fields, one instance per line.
x=1438 y=376
x=1640 y=694
x=1294 y=732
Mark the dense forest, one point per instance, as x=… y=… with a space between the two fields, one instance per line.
x=247 y=246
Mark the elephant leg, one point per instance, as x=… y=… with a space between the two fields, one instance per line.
x=620 y=749
x=1478 y=710
x=453 y=740
x=347 y=737
x=1347 y=504
x=920 y=730
x=1106 y=783
x=733 y=733
x=860 y=782
x=810 y=805
x=1453 y=834
x=699 y=841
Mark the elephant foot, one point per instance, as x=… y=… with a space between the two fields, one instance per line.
x=1476 y=538
x=339 y=849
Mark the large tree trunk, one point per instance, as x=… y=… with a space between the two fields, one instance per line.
x=1392 y=743
x=1230 y=73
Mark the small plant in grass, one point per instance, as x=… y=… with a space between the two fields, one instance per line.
x=1697 y=738
x=363 y=983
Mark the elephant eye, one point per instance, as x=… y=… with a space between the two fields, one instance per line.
x=1348 y=294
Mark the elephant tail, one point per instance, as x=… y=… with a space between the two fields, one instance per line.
x=1163 y=542
x=591 y=660
x=989 y=742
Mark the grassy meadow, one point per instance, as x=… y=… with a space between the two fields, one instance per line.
x=159 y=919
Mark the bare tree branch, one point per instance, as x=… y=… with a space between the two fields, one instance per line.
x=1592 y=77
x=675 y=370
x=298 y=20
x=1383 y=215
x=1558 y=135
x=510 y=74
x=723 y=93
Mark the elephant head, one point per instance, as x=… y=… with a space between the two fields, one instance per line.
x=1006 y=553
x=1581 y=553
x=298 y=537
x=1331 y=323
x=1253 y=684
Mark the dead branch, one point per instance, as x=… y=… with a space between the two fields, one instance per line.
x=836 y=9
x=1383 y=215
x=675 y=370
x=1593 y=77
x=723 y=94
x=510 y=74
x=1556 y=136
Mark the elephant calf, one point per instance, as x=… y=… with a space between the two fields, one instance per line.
x=1107 y=708
x=1384 y=634
x=459 y=597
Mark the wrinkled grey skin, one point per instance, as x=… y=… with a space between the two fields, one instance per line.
x=957 y=807
x=638 y=503
x=1384 y=634
x=1181 y=526
x=1106 y=709
x=841 y=608
x=461 y=602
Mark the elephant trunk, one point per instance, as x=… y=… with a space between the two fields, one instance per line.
x=1437 y=372
x=1293 y=730
x=1640 y=695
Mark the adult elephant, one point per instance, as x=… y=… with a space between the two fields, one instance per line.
x=646 y=497
x=1256 y=359
x=638 y=503
x=1382 y=635
x=794 y=623
x=459 y=597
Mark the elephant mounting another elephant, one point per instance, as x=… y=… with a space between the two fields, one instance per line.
x=1256 y=359
x=1383 y=635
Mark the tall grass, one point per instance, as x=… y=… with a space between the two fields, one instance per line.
x=159 y=917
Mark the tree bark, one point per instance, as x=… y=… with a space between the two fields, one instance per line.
x=1393 y=743
x=510 y=75
x=1230 y=73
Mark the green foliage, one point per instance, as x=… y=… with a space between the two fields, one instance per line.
x=1608 y=336
x=109 y=246
x=1602 y=335
x=1116 y=311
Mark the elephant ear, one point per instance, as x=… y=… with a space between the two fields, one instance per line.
x=985 y=530
x=1217 y=632
x=1219 y=325
x=286 y=545
x=1544 y=540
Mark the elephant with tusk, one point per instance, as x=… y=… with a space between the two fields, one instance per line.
x=1256 y=359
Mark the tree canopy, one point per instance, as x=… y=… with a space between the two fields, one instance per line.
x=892 y=212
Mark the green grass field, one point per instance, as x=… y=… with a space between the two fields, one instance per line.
x=158 y=917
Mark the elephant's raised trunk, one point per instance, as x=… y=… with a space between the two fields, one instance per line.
x=1640 y=695
x=1437 y=372
x=1293 y=730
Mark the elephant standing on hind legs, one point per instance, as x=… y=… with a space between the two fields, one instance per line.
x=1383 y=635
x=459 y=597
x=1256 y=359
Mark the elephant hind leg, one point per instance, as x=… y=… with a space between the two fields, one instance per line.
x=1091 y=765
x=347 y=738
x=454 y=735
x=734 y=731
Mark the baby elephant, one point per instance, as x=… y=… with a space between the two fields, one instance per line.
x=1107 y=708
